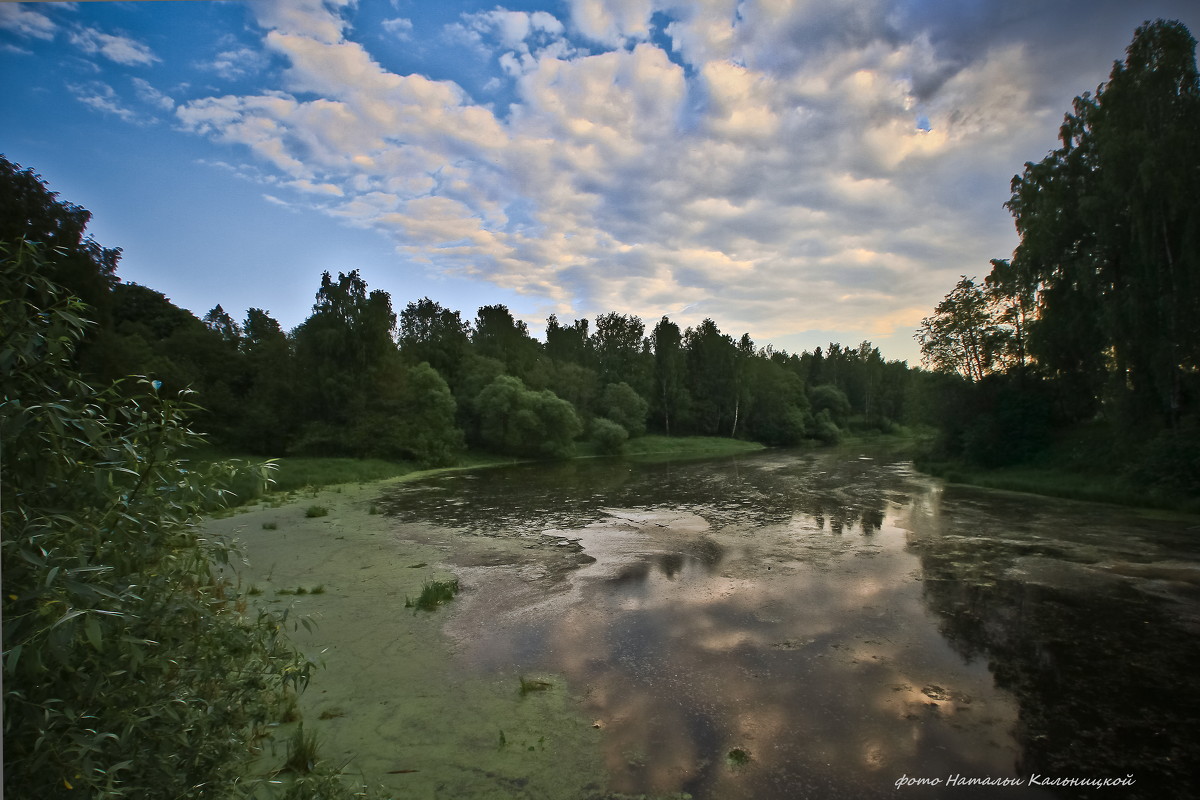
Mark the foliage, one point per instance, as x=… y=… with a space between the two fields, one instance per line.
x=517 y=421
x=962 y=335
x=619 y=403
x=609 y=437
x=1109 y=228
x=433 y=594
x=1097 y=314
x=132 y=668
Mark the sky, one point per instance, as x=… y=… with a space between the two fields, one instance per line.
x=805 y=171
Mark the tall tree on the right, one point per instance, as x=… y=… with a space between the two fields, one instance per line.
x=1110 y=231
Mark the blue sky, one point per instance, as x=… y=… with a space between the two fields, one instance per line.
x=803 y=171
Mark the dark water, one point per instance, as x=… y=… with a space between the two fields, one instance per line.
x=793 y=625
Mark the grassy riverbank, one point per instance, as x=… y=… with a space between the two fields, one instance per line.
x=1085 y=463
x=303 y=473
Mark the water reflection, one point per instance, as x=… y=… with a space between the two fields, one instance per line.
x=840 y=620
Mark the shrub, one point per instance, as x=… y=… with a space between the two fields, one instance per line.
x=609 y=437
x=132 y=668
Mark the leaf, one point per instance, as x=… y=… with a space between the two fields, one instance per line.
x=92 y=628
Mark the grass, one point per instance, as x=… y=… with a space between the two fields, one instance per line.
x=1058 y=482
x=316 y=511
x=685 y=446
x=433 y=594
x=1080 y=464
x=301 y=752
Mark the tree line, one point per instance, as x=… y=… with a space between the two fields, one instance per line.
x=1094 y=322
x=359 y=378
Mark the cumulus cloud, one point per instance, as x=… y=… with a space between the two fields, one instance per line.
x=778 y=166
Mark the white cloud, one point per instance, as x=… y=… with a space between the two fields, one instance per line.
x=101 y=97
x=120 y=49
x=23 y=20
x=612 y=22
x=236 y=62
x=400 y=28
x=778 y=182
x=152 y=96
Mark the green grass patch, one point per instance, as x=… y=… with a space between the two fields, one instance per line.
x=433 y=594
x=655 y=446
x=316 y=511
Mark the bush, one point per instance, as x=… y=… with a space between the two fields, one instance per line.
x=620 y=403
x=132 y=667
x=517 y=421
x=609 y=437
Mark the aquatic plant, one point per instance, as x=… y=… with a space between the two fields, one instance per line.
x=270 y=526
x=301 y=752
x=528 y=686
x=316 y=511
x=738 y=757
x=433 y=594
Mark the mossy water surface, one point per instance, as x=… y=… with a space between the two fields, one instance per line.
x=391 y=703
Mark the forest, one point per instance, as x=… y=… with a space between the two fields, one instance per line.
x=359 y=379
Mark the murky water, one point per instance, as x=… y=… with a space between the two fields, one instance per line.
x=791 y=625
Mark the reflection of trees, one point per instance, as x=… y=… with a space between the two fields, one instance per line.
x=1100 y=672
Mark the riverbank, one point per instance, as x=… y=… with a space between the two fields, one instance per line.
x=294 y=474
x=390 y=707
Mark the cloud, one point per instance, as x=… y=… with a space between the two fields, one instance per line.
x=400 y=28
x=119 y=49
x=22 y=20
x=101 y=97
x=612 y=22
x=151 y=96
x=779 y=167
x=236 y=62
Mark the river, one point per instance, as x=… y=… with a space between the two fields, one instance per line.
x=829 y=624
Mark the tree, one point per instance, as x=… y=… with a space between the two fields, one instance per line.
x=570 y=344
x=619 y=403
x=267 y=401
x=622 y=354
x=711 y=372
x=435 y=334
x=30 y=212
x=962 y=335
x=342 y=351
x=1109 y=228
x=517 y=421
x=670 y=364
x=497 y=335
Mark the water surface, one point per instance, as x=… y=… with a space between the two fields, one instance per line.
x=792 y=624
